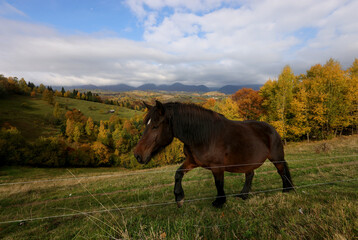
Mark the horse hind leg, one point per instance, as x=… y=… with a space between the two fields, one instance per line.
x=244 y=194
x=282 y=169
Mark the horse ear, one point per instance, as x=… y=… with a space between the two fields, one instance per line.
x=147 y=105
x=160 y=107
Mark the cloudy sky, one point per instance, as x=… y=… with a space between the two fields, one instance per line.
x=211 y=42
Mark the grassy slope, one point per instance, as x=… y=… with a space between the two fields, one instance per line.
x=316 y=212
x=31 y=120
x=97 y=111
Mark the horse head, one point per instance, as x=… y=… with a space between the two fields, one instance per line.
x=157 y=135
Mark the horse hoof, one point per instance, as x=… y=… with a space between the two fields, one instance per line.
x=180 y=203
x=243 y=196
x=218 y=204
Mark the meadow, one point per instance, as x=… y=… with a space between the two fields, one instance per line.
x=114 y=203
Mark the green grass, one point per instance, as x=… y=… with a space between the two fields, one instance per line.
x=312 y=212
x=97 y=111
x=29 y=115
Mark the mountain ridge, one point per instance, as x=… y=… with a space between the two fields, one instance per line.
x=175 y=87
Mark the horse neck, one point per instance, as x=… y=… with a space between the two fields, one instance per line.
x=193 y=127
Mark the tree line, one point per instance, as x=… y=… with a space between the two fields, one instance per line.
x=319 y=104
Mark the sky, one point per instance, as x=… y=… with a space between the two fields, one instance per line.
x=210 y=42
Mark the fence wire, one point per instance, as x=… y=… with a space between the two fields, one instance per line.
x=164 y=171
x=165 y=203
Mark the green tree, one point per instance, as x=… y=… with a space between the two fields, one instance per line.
x=63 y=91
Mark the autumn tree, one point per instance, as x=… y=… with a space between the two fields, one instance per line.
x=102 y=153
x=103 y=134
x=70 y=127
x=58 y=94
x=329 y=102
x=24 y=87
x=353 y=94
x=90 y=127
x=57 y=111
x=299 y=124
x=277 y=98
x=67 y=94
x=249 y=103
x=47 y=95
x=75 y=124
x=228 y=108
x=210 y=103
x=41 y=88
x=77 y=132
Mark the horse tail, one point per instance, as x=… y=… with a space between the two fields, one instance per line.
x=277 y=157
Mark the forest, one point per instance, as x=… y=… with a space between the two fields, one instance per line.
x=320 y=104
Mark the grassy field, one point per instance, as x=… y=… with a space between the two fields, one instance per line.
x=141 y=203
x=97 y=111
x=30 y=115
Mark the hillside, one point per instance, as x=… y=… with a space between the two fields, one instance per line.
x=33 y=116
x=97 y=111
x=29 y=115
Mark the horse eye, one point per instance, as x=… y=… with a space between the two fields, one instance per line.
x=155 y=126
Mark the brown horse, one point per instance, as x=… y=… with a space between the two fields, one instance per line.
x=212 y=141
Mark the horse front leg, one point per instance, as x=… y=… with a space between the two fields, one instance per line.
x=219 y=183
x=179 y=174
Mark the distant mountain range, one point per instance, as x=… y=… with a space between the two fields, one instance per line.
x=176 y=87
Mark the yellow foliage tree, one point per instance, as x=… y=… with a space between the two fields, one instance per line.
x=102 y=153
x=228 y=108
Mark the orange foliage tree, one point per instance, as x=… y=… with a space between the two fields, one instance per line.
x=249 y=103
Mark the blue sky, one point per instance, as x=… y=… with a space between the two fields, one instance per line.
x=74 y=16
x=211 y=42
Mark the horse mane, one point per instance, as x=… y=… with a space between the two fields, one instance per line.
x=191 y=123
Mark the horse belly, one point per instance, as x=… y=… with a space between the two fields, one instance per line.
x=244 y=157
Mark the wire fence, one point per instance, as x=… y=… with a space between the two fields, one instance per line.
x=185 y=181
x=88 y=213
x=164 y=171
x=167 y=203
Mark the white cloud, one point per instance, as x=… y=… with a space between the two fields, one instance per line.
x=199 y=42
